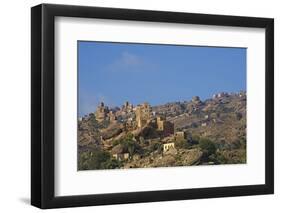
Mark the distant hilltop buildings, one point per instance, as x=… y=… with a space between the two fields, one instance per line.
x=127 y=107
x=143 y=114
x=166 y=127
x=101 y=112
x=140 y=117
x=226 y=94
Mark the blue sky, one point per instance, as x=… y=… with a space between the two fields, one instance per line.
x=117 y=72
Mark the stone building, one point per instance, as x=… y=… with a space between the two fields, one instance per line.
x=165 y=127
x=127 y=107
x=130 y=124
x=168 y=146
x=180 y=135
x=121 y=156
x=101 y=112
x=112 y=117
x=220 y=95
x=143 y=114
x=196 y=100
x=126 y=156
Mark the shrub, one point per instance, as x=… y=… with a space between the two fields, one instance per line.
x=182 y=144
x=243 y=143
x=207 y=146
x=93 y=159
x=237 y=144
x=111 y=164
x=157 y=146
x=115 y=142
x=220 y=159
x=195 y=139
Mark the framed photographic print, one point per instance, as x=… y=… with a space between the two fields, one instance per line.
x=139 y=106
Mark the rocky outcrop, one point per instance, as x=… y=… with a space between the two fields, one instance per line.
x=171 y=158
x=111 y=131
x=191 y=157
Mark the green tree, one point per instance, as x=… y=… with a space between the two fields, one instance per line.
x=132 y=147
x=93 y=159
x=157 y=146
x=207 y=146
x=130 y=144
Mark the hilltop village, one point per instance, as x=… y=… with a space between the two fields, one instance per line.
x=184 y=133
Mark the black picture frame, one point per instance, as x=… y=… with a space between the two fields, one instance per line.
x=43 y=102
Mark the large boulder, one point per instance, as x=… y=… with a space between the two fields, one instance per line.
x=112 y=131
x=191 y=157
x=118 y=149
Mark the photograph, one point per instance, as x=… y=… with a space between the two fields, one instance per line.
x=160 y=105
x=133 y=105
